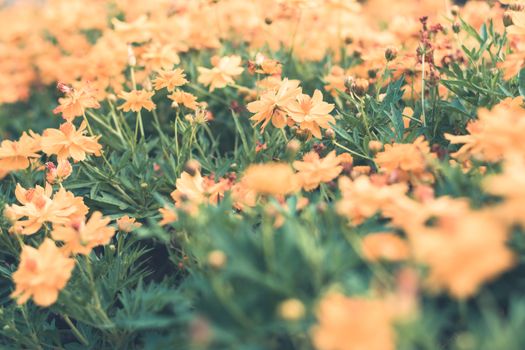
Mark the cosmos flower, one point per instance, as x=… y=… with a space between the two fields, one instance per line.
x=41 y=274
x=223 y=72
x=136 y=100
x=76 y=101
x=16 y=155
x=169 y=79
x=311 y=113
x=68 y=142
x=314 y=170
x=81 y=236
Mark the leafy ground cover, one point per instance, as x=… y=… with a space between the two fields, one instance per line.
x=265 y=174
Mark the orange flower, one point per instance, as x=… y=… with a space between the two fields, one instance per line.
x=67 y=142
x=168 y=215
x=41 y=274
x=313 y=170
x=15 y=155
x=186 y=99
x=38 y=205
x=384 y=246
x=353 y=324
x=160 y=57
x=136 y=31
x=361 y=199
x=76 y=102
x=311 y=113
x=465 y=254
x=127 y=224
x=169 y=79
x=193 y=190
x=80 y=237
x=223 y=72
x=405 y=160
x=270 y=178
x=136 y=100
x=272 y=104
x=493 y=135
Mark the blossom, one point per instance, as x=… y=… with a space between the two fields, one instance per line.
x=127 y=224
x=194 y=189
x=67 y=142
x=384 y=246
x=160 y=57
x=41 y=274
x=311 y=113
x=136 y=31
x=39 y=205
x=81 y=236
x=185 y=98
x=493 y=135
x=76 y=102
x=361 y=198
x=223 y=72
x=465 y=254
x=16 y=155
x=405 y=160
x=136 y=100
x=272 y=105
x=346 y=323
x=169 y=79
x=169 y=215
x=270 y=178
x=313 y=170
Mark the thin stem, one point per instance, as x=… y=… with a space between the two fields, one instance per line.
x=423 y=116
x=80 y=337
x=352 y=152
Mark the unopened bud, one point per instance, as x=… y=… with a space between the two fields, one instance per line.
x=454 y=10
x=268 y=20
x=192 y=167
x=360 y=87
x=291 y=310
x=456 y=27
x=507 y=19
x=516 y=7
x=132 y=60
x=330 y=133
x=390 y=53
x=375 y=145
x=217 y=259
x=293 y=147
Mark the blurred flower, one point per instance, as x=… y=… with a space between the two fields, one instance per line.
x=223 y=72
x=59 y=172
x=271 y=179
x=313 y=170
x=127 y=224
x=41 y=274
x=185 y=98
x=385 y=246
x=16 y=155
x=353 y=324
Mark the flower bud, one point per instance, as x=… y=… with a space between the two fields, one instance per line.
x=217 y=259
x=291 y=310
x=390 y=53
x=507 y=19
x=192 y=167
x=360 y=87
x=454 y=10
x=456 y=27
x=293 y=147
x=375 y=145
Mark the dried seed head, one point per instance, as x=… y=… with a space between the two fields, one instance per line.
x=390 y=53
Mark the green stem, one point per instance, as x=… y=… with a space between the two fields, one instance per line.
x=80 y=337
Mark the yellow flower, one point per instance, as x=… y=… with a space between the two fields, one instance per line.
x=76 y=101
x=41 y=274
x=185 y=98
x=385 y=246
x=136 y=100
